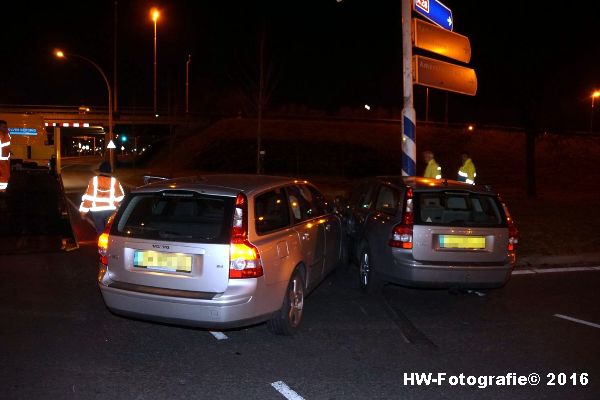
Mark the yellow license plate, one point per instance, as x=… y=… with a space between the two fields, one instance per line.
x=172 y=262
x=462 y=242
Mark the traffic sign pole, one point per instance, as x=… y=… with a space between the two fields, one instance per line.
x=409 y=119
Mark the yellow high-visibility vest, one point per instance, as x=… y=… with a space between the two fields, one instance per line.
x=433 y=170
x=467 y=172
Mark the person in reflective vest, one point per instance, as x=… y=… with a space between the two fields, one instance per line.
x=433 y=170
x=4 y=155
x=467 y=172
x=103 y=195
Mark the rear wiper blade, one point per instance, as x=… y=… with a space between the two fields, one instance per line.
x=140 y=228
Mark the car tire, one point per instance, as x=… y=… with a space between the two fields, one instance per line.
x=368 y=279
x=287 y=320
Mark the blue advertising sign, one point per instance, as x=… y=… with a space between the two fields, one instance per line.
x=23 y=131
x=436 y=12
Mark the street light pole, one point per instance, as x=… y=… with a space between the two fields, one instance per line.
x=155 y=14
x=115 y=33
x=109 y=136
x=187 y=84
x=426 y=104
x=594 y=96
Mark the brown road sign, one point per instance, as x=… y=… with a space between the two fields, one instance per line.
x=442 y=75
x=438 y=40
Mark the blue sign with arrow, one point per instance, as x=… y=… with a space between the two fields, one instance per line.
x=436 y=12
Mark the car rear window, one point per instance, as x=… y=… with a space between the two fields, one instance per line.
x=457 y=209
x=178 y=216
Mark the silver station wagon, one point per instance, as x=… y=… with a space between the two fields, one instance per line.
x=219 y=251
x=429 y=233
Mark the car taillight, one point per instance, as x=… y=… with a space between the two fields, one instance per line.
x=402 y=234
x=513 y=237
x=103 y=242
x=244 y=258
x=513 y=232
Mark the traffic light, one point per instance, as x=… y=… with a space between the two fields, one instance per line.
x=123 y=138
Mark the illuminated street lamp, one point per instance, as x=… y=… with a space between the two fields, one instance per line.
x=595 y=95
x=155 y=14
x=60 y=54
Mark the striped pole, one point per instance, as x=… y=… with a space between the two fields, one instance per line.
x=409 y=119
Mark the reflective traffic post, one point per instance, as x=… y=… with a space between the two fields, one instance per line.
x=409 y=146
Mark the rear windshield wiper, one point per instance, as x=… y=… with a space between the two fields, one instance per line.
x=139 y=228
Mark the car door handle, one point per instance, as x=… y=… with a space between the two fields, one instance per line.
x=305 y=236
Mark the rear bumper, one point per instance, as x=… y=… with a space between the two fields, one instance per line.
x=438 y=276
x=236 y=307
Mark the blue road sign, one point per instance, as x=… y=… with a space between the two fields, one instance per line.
x=436 y=12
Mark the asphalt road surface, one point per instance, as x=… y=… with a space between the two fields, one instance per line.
x=58 y=341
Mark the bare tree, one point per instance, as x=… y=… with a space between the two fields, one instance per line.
x=258 y=86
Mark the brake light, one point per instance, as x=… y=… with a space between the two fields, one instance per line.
x=513 y=232
x=103 y=241
x=244 y=258
x=402 y=234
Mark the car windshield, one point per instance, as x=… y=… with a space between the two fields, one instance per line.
x=178 y=216
x=457 y=209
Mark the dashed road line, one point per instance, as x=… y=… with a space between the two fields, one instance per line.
x=286 y=391
x=579 y=321
x=219 y=335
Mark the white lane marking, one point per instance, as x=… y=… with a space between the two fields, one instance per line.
x=553 y=270
x=286 y=391
x=580 y=321
x=567 y=269
x=219 y=335
x=523 y=272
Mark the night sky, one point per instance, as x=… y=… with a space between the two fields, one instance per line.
x=534 y=67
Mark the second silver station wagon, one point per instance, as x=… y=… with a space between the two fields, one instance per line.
x=430 y=233
x=219 y=251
